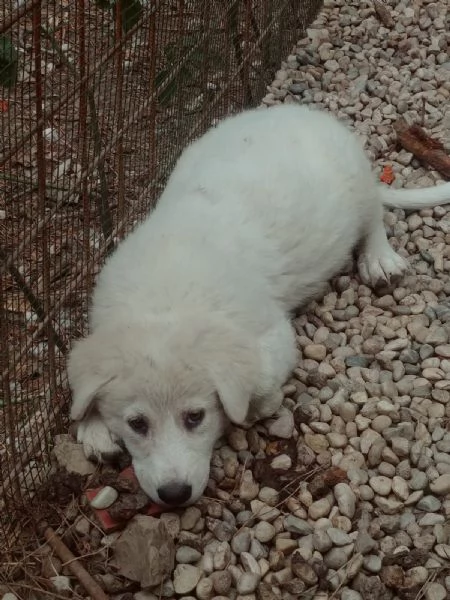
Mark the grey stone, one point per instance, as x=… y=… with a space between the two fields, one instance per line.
x=186 y=554
x=248 y=582
x=185 y=578
x=296 y=525
x=337 y=557
x=429 y=504
x=338 y=537
x=441 y=485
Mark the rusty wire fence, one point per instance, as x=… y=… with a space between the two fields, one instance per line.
x=97 y=100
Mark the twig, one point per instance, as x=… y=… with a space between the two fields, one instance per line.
x=237 y=485
x=33 y=588
x=423 y=112
x=421 y=592
x=87 y=517
x=63 y=552
x=344 y=580
x=383 y=13
x=425 y=148
x=94 y=553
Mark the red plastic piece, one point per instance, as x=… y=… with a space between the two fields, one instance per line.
x=107 y=523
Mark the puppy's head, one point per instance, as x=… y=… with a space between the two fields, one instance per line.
x=167 y=391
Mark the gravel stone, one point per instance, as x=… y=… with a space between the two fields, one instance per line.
x=400 y=487
x=186 y=554
x=190 y=518
x=435 y=591
x=221 y=556
x=322 y=541
x=248 y=582
x=249 y=489
x=282 y=462
x=204 y=589
x=185 y=578
x=443 y=550
x=241 y=541
x=381 y=485
x=303 y=570
x=441 y=485
x=338 y=537
x=429 y=504
x=337 y=557
x=418 y=480
x=372 y=563
x=222 y=582
x=400 y=446
x=346 y=499
x=282 y=427
x=315 y=351
x=264 y=531
x=222 y=530
x=348 y=594
x=319 y=508
x=296 y=525
x=365 y=543
x=249 y=563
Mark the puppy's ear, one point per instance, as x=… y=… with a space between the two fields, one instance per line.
x=234 y=372
x=89 y=368
x=234 y=398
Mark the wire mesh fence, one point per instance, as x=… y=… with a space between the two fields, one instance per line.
x=97 y=100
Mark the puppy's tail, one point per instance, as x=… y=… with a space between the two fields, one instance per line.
x=417 y=198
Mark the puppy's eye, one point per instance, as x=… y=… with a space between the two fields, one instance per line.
x=193 y=418
x=139 y=424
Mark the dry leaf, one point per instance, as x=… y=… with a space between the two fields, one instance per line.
x=321 y=484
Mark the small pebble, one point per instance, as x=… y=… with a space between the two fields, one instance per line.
x=435 y=591
x=105 y=498
x=346 y=499
x=186 y=554
x=185 y=578
x=264 y=531
x=247 y=583
x=441 y=485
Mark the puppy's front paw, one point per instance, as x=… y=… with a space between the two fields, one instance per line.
x=99 y=444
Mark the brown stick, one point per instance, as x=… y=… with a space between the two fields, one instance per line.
x=425 y=148
x=63 y=552
x=383 y=13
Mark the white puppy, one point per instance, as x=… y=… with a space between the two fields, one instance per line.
x=190 y=320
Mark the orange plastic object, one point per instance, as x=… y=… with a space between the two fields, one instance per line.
x=387 y=176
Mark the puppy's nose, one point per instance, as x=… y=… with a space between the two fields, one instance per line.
x=175 y=493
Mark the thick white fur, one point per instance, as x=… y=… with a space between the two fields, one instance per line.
x=193 y=309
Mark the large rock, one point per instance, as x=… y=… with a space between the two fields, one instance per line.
x=145 y=551
x=70 y=456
